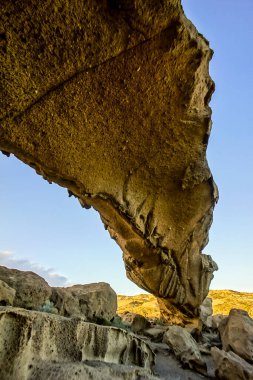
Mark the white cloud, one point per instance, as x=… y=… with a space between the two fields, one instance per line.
x=8 y=260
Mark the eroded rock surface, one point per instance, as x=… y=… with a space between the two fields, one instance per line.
x=110 y=100
x=185 y=348
x=31 y=290
x=206 y=311
x=92 y=301
x=229 y=366
x=36 y=345
x=88 y=370
x=236 y=333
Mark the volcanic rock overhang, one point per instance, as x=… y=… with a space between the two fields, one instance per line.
x=110 y=99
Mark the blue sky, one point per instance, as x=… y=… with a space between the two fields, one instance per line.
x=45 y=231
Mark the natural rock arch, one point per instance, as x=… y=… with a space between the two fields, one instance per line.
x=110 y=99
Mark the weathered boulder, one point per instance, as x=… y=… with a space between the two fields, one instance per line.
x=136 y=322
x=32 y=291
x=236 y=333
x=229 y=366
x=32 y=341
x=206 y=311
x=185 y=348
x=139 y=323
x=110 y=99
x=92 y=301
x=217 y=319
x=7 y=294
x=155 y=333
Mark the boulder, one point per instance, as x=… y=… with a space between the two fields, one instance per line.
x=92 y=301
x=7 y=294
x=185 y=348
x=136 y=322
x=110 y=99
x=32 y=291
x=34 y=345
x=217 y=319
x=155 y=333
x=229 y=366
x=236 y=333
x=206 y=311
x=139 y=324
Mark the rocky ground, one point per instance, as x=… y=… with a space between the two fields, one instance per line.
x=75 y=333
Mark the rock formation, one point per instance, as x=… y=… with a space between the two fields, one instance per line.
x=185 y=348
x=235 y=359
x=28 y=290
x=92 y=301
x=236 y=333
x=229 y=366
x=36 y=345
x=77 y=334
x=110 y=100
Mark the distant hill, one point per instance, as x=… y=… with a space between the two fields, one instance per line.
x=144 y=304
x=223 y=302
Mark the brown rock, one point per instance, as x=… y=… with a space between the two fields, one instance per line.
x=92 y=301
x=217 y=319
x=156 y=333
x=7 y=294
x=110 y=100
x=237 y=334
x=139 y=323
x=136 y=322
x=32 y=341
x=32 y=291
x=185 y=348
x=229 y=366
x=206 y=312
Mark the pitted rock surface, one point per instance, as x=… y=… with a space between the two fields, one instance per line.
x=36 y=345
x=110 y=100
x=92 y=301
x=30 y=291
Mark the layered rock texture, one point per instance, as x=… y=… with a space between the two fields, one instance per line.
x=110 y=100
x=36 y=345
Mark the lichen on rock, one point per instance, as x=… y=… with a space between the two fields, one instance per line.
x=110 y=100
